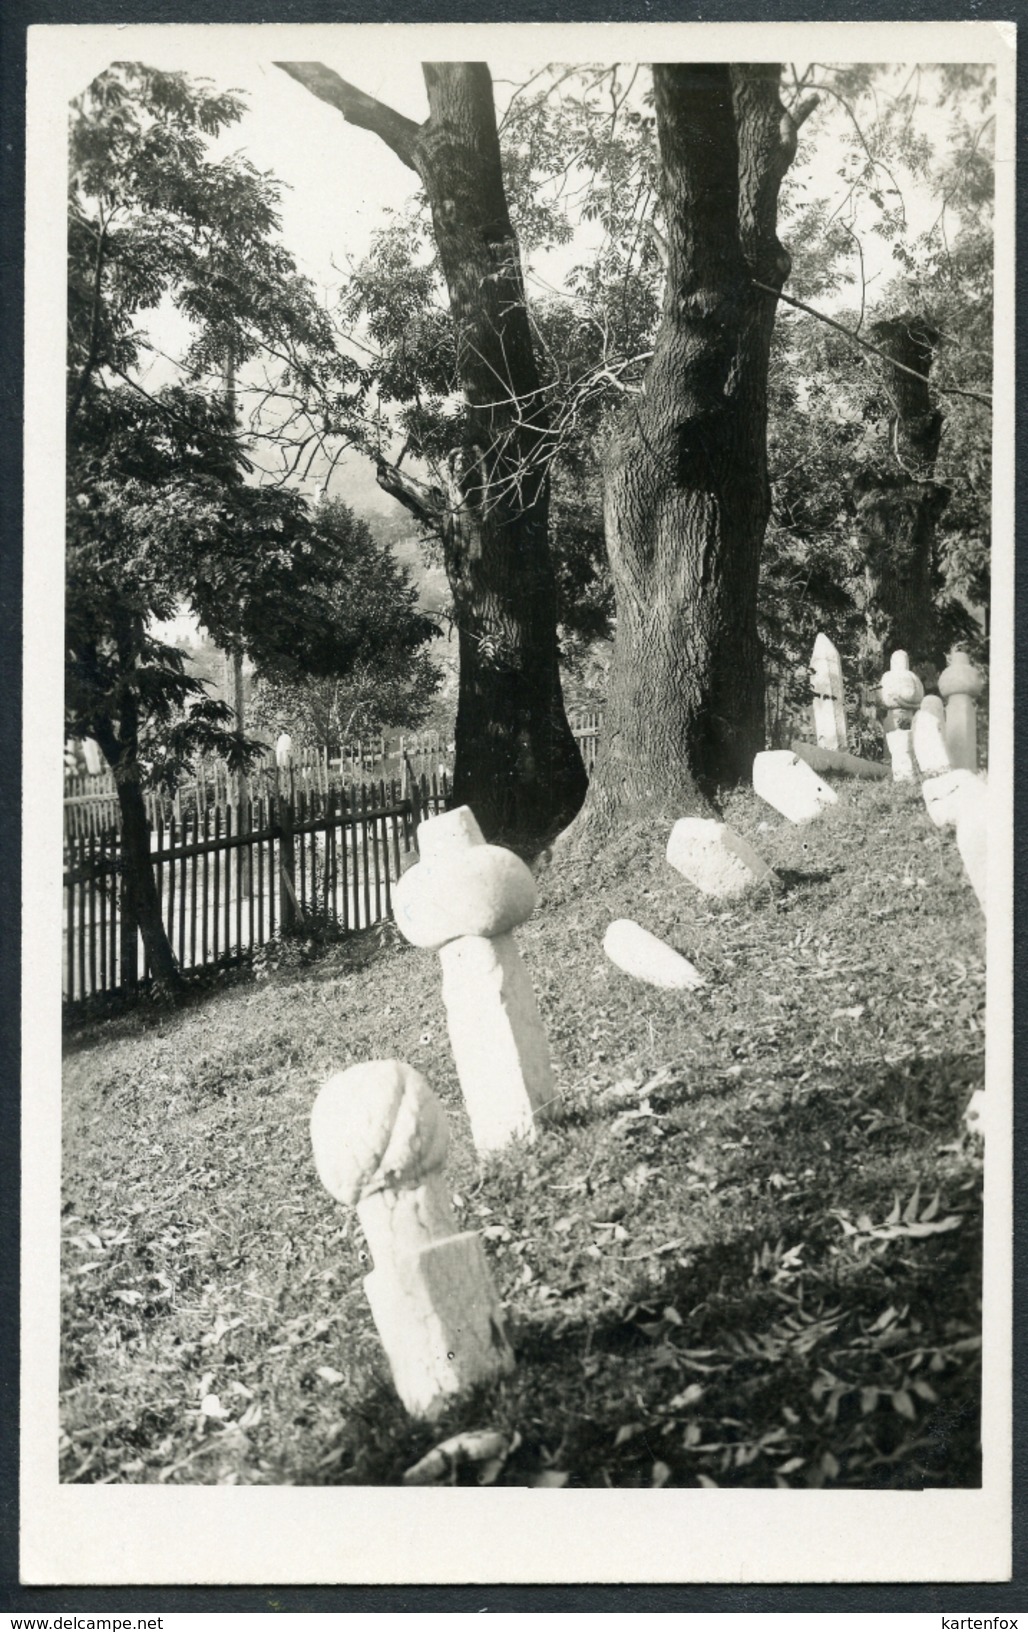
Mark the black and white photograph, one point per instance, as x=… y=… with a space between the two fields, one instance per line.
x=518 y=991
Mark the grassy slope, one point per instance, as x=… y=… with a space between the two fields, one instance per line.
x=704 y=1268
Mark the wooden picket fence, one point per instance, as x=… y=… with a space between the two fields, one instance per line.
x=91 y=805
x=229 y=880
x=91 y=802
x=586 y=725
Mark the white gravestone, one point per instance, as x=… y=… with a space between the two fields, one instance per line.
x=944 y=795
x=825 y=761
x=380 y=1139
x=829 y=695
x=973 y=844
x=464 y=898
x=648 y=958
x=928 y=738
x=284 y=751
x=961 y=685
x=901 y=693
x=788 y=784
x=715 y=859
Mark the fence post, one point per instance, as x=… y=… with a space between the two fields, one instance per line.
x=287 y=867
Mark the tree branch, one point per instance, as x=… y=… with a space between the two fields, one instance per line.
x=865 y=345
x=427 y=504
x=357 y=108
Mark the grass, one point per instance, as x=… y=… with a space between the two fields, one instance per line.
x=746 y=1253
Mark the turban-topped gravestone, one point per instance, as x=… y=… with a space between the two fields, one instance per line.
x=464 y=898
x=380 y=1140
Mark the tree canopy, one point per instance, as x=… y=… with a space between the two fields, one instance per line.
x=165 y=507
x=891 y=163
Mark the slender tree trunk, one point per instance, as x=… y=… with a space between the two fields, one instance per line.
x=686 y=486
x=143 y=899
x=517 y=763
x=899 y=504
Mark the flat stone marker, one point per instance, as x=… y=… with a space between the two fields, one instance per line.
x=715 y=859
x=829 y=695
x=826 y=763
x=944 y=795
x=961 y=685
x=901 y=693
x=380 y=1140
x=928 y=738
x=788 y=784
x=648 y=958
x=464 y=898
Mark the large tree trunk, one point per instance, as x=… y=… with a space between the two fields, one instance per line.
x=899 y=504
x=687 y=496
x=517 y=763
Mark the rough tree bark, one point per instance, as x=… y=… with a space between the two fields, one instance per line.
x=517 y=763
x=119 y=749
x=686 y=486
x=899 y=504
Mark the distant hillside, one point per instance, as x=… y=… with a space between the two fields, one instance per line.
x=433 y=590
x=396 y=530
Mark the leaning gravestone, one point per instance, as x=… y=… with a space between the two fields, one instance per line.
x=961 y=685
x=928 y=738
x=829 y=696
x=901 y=692
x=825 y=761
x=715 y=859
x=464 y=898
x=380 y=1139
x=648 y=958
x=788 y=784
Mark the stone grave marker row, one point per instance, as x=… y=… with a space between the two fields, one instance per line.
x=380 y=1134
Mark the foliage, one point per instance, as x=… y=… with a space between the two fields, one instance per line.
x=591 y=340
x=580 y=167
x=385 y=692
x=163 y=510
x=831 y=418
x=747 y=1253
x=370 y=604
